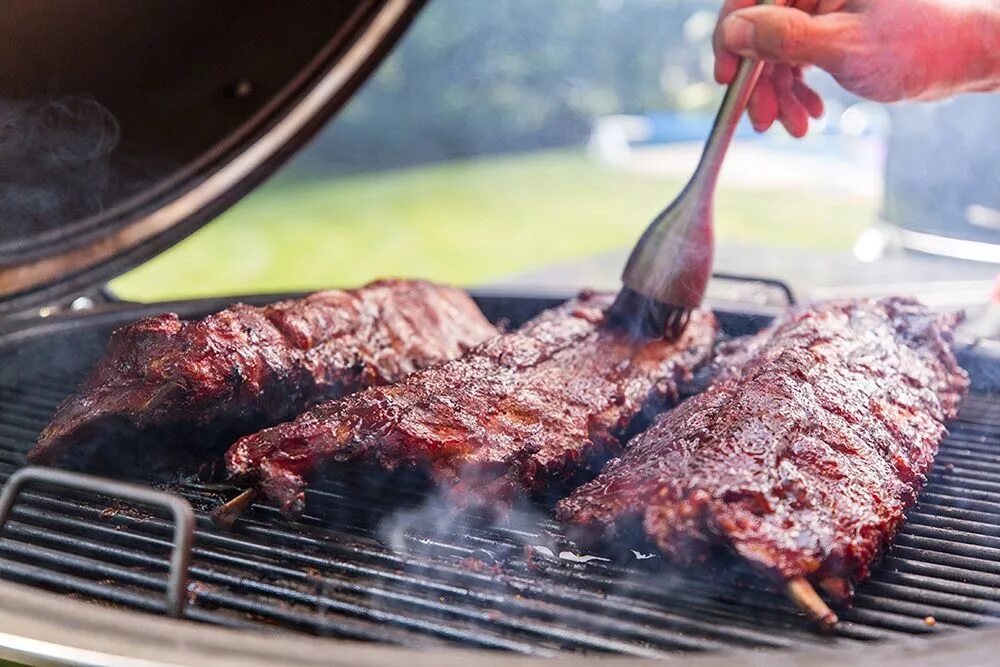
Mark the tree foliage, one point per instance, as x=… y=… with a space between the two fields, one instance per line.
x=488 y=76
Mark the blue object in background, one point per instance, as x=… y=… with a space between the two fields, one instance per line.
x=677 y=127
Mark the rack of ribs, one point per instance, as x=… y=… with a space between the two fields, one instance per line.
x=802 y=456
x=248 y=367
x=519 y=412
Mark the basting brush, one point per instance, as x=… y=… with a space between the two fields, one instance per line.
x=666 y=276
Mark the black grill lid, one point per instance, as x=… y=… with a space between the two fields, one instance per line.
x=201 y=101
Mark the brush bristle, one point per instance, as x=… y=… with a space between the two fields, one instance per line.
x=643 y=317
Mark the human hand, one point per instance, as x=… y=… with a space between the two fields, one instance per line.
x=883 y=50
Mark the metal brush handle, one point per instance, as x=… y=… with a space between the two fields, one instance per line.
x=728 y=118
x=669 y=268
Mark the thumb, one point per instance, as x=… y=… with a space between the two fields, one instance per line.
x=784 y=35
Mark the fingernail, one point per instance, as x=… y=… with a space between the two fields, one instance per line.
x=738 y=34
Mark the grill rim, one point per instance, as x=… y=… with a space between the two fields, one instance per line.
x=51 y=628
x=44 y=628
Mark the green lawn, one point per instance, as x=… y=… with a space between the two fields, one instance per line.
x=464 y=222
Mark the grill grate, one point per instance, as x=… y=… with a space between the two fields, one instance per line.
x=437 y=583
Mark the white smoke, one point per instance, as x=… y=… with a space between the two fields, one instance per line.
x=55 y=164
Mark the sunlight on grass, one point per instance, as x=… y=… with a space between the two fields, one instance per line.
x=466 y=222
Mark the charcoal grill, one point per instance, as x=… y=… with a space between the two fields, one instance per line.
x=361 y=567
x=373 y=572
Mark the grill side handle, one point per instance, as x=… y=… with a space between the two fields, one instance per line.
x=184 y=519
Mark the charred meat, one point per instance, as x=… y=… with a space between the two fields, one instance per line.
x=515 y=414
x=803 y=455
x=257 y=366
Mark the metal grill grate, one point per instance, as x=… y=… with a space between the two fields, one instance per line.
x=417 y=580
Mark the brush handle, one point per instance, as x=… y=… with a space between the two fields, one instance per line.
x=670 y=266
x=726 y=121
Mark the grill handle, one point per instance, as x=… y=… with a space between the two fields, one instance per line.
x=184 y=520
x=779 y=285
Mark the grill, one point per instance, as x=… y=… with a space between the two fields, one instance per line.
x=409 y=573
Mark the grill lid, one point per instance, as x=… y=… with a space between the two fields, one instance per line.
x=124 y=127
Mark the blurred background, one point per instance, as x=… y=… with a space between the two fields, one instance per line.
x=517 y=142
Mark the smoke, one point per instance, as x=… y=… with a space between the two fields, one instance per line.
x=519 y=543
x=55 y=162
x=421 y=529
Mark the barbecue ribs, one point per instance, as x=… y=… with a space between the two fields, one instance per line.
x=249 y=367
x=518 y=412
x=803 y=455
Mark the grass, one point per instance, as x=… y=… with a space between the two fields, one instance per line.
x=465 y=222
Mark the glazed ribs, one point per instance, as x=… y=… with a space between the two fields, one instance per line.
x=247 y=367
x=515 y=414
x=803 y=455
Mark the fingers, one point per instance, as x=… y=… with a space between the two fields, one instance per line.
x=782 y=34
x=809 y=98
x=726 y=61
x=782 y=95
x=786 y=36
x=791 y=111
x=807 y=6
x=763 y=107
